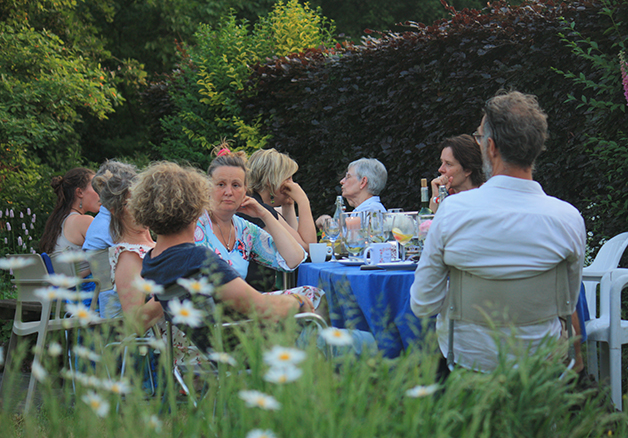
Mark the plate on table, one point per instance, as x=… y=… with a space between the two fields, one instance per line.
x=406 y=265
x=348 y=262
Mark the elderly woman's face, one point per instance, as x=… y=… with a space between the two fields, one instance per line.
x=452 y=168
x=350 y=184
x=228 y=189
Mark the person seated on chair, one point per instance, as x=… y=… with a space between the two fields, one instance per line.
x=364 y=181
x=98 y=236
x=132 y=242
x=169 y=199
x=506 y=229
x=461 y=167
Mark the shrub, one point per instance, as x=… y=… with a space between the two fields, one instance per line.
x=396 y=97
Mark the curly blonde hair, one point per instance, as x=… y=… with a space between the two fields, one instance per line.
x=167 y=197
x=269 y=169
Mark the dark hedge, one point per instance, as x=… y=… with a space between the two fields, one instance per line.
x=398 y=96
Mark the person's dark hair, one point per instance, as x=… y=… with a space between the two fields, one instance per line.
x=517 y=125
x=225 y=157
x=112 y=183
x=468 y=153
x=65 y=188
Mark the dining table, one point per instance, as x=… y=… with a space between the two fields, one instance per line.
x=377 y=301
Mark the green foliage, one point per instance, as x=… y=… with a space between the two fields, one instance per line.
x=601 y=95
x=206 y=91
x=43 y=86
x=395 y=98
x=347 y=397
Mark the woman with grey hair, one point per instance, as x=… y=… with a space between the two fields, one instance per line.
x=131 y=243
x=362 y=184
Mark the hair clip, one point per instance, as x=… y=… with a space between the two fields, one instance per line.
x=223 y=151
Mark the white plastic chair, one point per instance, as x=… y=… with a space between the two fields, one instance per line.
x=611 y=330
x=607 y=259
x=28 y=279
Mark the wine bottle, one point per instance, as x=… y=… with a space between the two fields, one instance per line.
x=425 y=198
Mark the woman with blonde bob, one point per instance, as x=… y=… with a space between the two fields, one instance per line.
x=169 y=199
x=271 y=185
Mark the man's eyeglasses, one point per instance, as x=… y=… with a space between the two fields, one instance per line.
x=478 y=138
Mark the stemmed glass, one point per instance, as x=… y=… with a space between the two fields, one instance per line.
x=425 y=220
x=332 y=231
x=354 y=232
x=404 y=229
x=377 y=227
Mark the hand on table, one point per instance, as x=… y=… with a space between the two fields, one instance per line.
x=320 y=222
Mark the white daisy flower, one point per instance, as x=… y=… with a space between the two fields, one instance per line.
x=92 y=382
x=283 y=356
x=422 y=391
x=197 y=286
x=283 y=374
x=147 y=286
x=15 y=263
x=337 y=337
x=99 y=405
x=185 y=313
x=47 y=293
x=61 y=280
x=154 y=423
x=85 y=353
x=39 y=372
x=222 y=357
x=55 y=349
x=117 y=387
x=259 y=433
x=72 y=257
x=82 y=313
x=256 y=399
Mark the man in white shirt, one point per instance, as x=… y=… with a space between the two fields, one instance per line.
x=362 y=184
x=506 y=229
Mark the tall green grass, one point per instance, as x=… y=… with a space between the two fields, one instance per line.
x=348 y=396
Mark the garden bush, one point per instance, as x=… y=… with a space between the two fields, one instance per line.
x=397 y=96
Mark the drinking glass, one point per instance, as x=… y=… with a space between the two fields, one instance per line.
x=404 y=229
x=425 y=220
x=377 y=227
x=332 y=231
x=355 y=242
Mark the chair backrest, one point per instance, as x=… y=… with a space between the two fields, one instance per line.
x=100 y=267
x=70 y=270
x=29 y=278
x=520 y=301
x=607 y=258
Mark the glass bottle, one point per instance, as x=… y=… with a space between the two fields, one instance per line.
x=425 y=198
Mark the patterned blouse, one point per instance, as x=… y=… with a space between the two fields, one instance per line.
x=252 y=243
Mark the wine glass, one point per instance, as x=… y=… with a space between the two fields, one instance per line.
x=404 y=229
x=425 y=220
x=355 y=242
x=332 y=231
x=377 y=227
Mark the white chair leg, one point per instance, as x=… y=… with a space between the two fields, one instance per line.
x=604 y=364
x=592 y=364
x=615 y=374
x=41 y=338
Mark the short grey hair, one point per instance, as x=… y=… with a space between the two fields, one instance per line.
x=112 y=183
x=517 y=125
x=374 y=171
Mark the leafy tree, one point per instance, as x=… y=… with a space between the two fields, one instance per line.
x=214 y=72
x=600 y=93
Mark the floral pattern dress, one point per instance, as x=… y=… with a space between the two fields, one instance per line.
x=184 y=353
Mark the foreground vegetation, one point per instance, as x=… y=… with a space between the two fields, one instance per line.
x=310 y=396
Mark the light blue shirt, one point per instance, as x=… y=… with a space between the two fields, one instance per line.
x=371 y=204
x=97 y=236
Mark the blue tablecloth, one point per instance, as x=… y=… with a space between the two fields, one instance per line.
x=375 y=301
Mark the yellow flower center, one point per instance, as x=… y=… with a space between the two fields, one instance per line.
x=284 y=356
x=185 y=312
x=82 y=314
x=95 y=404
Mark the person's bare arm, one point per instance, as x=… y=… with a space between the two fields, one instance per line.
x=286 y=244
x=142 y=314
x=240 y=296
